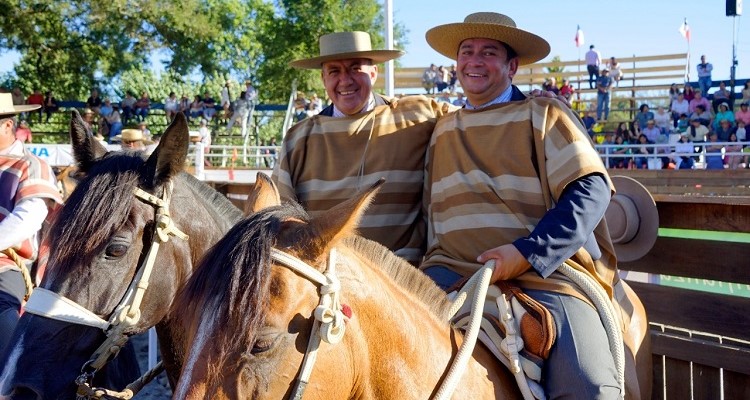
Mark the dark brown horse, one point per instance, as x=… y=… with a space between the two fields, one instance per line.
x=124 y=204
x=251 y=316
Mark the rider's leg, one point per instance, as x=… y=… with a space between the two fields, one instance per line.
x=12 y=290
x=580 y=364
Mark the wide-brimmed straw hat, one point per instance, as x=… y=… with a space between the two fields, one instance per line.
x=345 y=45
x=132 y=135
x=7 y=107
x=632 y=218
x=445 y=39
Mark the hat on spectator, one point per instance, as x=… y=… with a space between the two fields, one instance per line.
x=446 y=39
x=88 y=111
x=8 y=108
x=632 y=219
x=744 y=103
x=724 y=103
x=132 y=135
x=344 y=45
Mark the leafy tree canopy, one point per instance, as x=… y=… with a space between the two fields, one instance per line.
x=71 y=46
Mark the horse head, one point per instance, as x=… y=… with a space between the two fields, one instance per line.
x=291 y=304
x=103 y=246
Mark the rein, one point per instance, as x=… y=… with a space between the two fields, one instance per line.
x=329 y=324
x=52 y=305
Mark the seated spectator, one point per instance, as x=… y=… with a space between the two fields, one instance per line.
x=722 y=94
x=94 y=102
x=142 y=107
x=317 y=103
x=743 y=114
x=225 y=97
x=663 y=120
x=699 y=100
x=698 y=132
x=615 y=70
x=428 y=78
x=23 y=132
x=567 y=90
x=453 y=74
x=106 y=109
x=724 y=130
x=444 y=97
x=441 y=79
x=741 y=132
x=679 y=106
x=713 y=153
x=133 y=139
x=652 y=133
x=702 y=114
x=143 y=128
x=128 y=107
x=551 y=86
x=683 y=150
x=723 y=114
x=733 y=160
x=588 y=122
x=37 y=99
x=619 y=149
x=209 y=106
x=460 y=100
x=689 y=92
x=644 y=150
x=18 y=97
x=114 y=123
x=683 y=123
x=171 y=106
x=50 y=104
x=184 y=105
x=196 y=107
x=643 y=116
x=88 y=119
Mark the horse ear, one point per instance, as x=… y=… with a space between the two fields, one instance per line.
x=168 y=159
x=263 y=194
x=86 y=149
x=342 y=220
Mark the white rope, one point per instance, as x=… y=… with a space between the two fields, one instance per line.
x=605 y=308
x=479 y=282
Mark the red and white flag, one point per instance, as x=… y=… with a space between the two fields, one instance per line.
x=579 y=36
x=685 y=30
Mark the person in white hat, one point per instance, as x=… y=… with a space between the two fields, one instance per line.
x=360 y=138
x=133 y=139
x=27 y=193
x=517 y=181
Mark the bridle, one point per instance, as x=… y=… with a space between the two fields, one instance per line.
x=52 y=305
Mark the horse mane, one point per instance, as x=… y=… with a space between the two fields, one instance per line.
x=404 y=274
x=221 y=208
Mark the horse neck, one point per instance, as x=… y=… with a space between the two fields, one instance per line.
x=399 y=329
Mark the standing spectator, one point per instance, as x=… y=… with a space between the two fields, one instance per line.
x=23 y=133
x=94 y=102
x=567 y=90
x=720 y=95
x=29 y=192
x=226 y=100
x=241 y=109
x=428 y=79
x=603 y=86
x=36 y=98
x=196 y=107
x=128 y=107
x=593 y=60
x=171 y=106
x=679 y=106
x=453 y=78
x=704 y=75
x=460 y=101
x=615 y=70
x=18 y=98
x=251 y=94
x=205 y=135
x=142 y=107
x=689 y=92
x=441 y=79
x=50 y=104
x=743 y=114
x=209 y=106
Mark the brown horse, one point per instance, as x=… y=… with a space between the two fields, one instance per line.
x=99 y=244
x=250 y=337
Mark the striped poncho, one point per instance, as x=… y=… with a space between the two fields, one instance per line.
x=326 y=160
x=491 y=176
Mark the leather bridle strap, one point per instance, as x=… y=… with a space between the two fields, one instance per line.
x=329 y=322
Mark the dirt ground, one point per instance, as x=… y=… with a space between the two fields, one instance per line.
x=158 y=389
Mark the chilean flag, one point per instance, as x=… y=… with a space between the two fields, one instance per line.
x=579 y=37
x=685 y=30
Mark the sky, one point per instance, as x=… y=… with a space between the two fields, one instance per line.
x=621 y=29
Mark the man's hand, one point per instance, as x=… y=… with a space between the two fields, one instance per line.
x=552 y=95
x=509 y=263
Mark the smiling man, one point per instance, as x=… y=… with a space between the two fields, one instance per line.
x=358 y=139
x=517 y=180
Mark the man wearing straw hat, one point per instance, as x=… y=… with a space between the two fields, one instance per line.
x=517 y=181
x=359 y=139
x=27 y=189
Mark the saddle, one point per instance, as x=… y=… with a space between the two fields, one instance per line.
x=517 y=329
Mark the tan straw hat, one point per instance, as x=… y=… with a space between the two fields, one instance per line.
x=344 y=45
x=7 y=107
x=632 y=218
x=132 y=135
x=445 y=39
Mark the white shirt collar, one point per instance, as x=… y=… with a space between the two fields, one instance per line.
x=368 y=107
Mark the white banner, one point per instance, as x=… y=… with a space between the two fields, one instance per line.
x=57 y=155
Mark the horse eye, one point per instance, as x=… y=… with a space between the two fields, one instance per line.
x=116 y=250
x=261 y=346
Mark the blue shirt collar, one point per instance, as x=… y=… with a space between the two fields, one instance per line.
x=504 y=97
